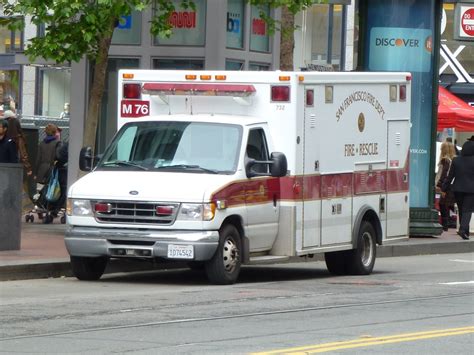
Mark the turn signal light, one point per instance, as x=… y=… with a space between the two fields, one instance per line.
x=309 y=97
x=131 y=91
x=403 y=93
x=205 y=77
x=127 y=75
x=191 y=77
x=164 y=210
x=280 y=93
x=102 y=207
x=284 y=78
x=221 y=77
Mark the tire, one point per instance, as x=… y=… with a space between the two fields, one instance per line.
x=224 y=267
x=32 y=218
x=63 y=219
x=336 y=262
x=361 y=260
x=88 y=269
x=47 y=218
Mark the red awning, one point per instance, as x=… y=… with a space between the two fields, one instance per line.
x=453 y=112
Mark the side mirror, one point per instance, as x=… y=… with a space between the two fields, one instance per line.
x=279 y=166
x=85 y=159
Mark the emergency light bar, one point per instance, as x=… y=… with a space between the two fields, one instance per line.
x=198 y=89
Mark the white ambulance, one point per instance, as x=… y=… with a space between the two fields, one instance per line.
x=224 y=168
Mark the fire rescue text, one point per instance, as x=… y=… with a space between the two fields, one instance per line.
x=351 y=150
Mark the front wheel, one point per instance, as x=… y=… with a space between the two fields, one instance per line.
x=88 y=269
x=224 y=267
x=362 y=259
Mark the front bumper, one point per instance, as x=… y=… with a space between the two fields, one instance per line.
x=114 y=242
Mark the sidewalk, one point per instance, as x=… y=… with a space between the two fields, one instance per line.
x=43 y=253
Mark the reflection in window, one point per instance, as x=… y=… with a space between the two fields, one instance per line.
x=54 y=91
x=259 y=66
x=234 y=65
x=195 y=64
x=235 y=23
x=9 y=86
x=188 y=26
x=129 y=29
x=10 y=41
x=259 y=39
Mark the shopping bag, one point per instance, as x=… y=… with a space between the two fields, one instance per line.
x=54 y=190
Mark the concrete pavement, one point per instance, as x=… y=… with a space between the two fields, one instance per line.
x=43 y=253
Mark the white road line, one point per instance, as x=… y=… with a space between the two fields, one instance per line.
x=457 y=283
x=462 y=261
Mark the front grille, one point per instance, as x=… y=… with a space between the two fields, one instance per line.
x=136 y=212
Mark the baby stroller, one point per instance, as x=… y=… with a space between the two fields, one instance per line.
x=45 y=208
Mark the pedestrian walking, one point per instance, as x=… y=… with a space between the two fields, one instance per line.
x=15 y=133
x=8 y=153
x=462 y=172
x=446 y=201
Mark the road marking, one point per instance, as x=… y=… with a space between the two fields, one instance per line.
x=462 y=261
x=457 y=283
x=365 y=342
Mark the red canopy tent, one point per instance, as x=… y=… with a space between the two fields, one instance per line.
x=454 y=112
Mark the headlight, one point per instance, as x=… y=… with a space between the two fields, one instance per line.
x=196 y=212
x=78 y=207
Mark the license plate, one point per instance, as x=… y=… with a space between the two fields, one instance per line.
x=176 y=251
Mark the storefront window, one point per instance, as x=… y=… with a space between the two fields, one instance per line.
x=9 y=86
x=10 y=41
x=189 y=26
x=128 y=30
x=195 y=64
x=259 y=66
x=235 y=23
x=259 y=39
x=54 y=91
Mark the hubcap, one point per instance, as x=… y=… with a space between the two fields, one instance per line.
x=230 y=255
x=367 y=249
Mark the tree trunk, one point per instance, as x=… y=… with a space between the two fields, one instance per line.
x=98 y=87
x=287 y=42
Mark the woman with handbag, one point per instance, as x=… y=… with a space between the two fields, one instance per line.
x=446 y=201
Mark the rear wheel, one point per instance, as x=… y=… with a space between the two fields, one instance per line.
x=224 y=267
x=361 y=260
x=89 y=269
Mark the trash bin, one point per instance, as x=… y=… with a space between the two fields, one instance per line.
x=11 y=177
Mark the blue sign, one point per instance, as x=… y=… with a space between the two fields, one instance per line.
x=400 y=49
x=125 y=22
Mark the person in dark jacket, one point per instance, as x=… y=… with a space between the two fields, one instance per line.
x=46 y=154
x=15 y=132
x=462 y=171
x=8 y=153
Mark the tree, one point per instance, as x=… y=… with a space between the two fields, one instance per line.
x=75 y=29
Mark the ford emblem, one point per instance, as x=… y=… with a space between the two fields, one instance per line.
x=133 y=192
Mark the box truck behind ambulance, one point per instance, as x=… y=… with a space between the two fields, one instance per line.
x=222 y=168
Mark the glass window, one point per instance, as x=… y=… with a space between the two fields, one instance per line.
x=189 y=147
x=10 y=41
x=257 y=149
x=259 y=66
x=54 y=91
x=235 y=23
x=234 y=65
x=189 y=26
x=327 y=35
x=129 y=29
x=9 y=88
x=195 y=64
x=259 y=39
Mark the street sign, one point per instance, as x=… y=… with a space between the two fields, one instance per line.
x=464 y=22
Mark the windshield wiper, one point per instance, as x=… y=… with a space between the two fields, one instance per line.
x=188 y=166
x=124 y=163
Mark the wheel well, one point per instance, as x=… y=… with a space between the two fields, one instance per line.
x=371 y=217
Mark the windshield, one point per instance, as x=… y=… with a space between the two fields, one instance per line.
x=196 y=147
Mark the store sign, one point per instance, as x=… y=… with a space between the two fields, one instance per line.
x=405 y=49
x=188 y=25
x=464 y=22
x=235 y=16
